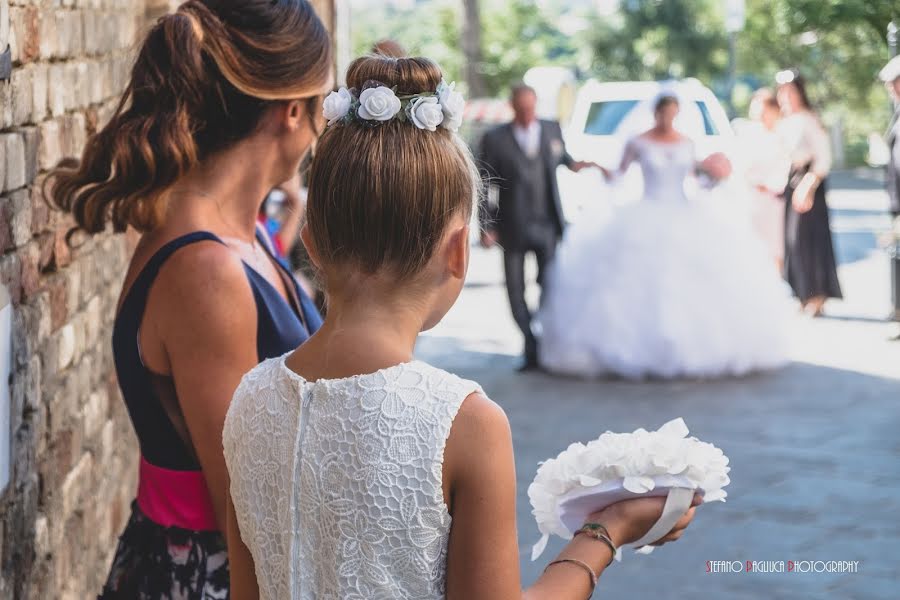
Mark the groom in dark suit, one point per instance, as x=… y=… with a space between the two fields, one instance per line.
x=521 y=158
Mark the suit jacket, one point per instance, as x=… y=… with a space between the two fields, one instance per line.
x=892 y=177
x=504 y=161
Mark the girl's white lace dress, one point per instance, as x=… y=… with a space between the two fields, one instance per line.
x=336 y=484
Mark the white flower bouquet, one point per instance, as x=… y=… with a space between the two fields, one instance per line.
x=586 y=478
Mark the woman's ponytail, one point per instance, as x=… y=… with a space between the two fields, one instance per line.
x=183 y=103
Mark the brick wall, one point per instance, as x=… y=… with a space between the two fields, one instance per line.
x=73 y=451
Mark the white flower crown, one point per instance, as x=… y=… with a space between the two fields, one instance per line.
x=378 y=103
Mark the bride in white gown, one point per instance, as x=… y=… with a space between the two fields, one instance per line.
x=669 y=286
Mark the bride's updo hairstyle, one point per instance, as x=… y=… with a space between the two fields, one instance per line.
x=381 y=195
x=202 y=80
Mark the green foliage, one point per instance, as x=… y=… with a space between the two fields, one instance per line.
x=653 y=39
x=839 y=45
x=431 y=30
x=516 y=36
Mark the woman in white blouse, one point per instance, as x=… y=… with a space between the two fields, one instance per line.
x=809 y=263
x=766 y=171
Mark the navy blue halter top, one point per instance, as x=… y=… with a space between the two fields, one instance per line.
x=281 y=326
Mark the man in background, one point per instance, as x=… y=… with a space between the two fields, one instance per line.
x=521 y=158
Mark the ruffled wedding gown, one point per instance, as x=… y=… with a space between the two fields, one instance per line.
x=668 y=286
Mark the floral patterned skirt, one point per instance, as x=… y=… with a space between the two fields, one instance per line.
x=167 y=563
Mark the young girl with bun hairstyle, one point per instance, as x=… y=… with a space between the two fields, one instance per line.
x=357 y=471
x=222 y=105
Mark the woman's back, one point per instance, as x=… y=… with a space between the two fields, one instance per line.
x=361 y=460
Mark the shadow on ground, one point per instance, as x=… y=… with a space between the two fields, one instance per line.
x=813 y=452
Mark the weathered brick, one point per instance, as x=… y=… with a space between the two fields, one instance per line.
x=22 y=91
x=79 y=76
x=15 y=161
x=73 y=288
x=59 y=307
x=25 y=27
x=20 y=224
x=40 y=210
x=58 y=89
x=31 y=281
x=49 y=147
x=39 y=82
x=32 y=140
x=95 y=410
x=73 y=135
x=41 y=537
x=11 y=276
x=6 y=217
x=6 y=105
x=47 y=34
x=75 y=484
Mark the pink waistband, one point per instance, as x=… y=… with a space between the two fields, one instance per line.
x=175 y=498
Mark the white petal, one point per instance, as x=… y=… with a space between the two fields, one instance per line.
x=674 y=428
x=539 y=547
x=638 y=485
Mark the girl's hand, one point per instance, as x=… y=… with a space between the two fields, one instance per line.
x=606 y=174
x=629 y=520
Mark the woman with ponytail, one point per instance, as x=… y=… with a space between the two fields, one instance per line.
x=222 y=105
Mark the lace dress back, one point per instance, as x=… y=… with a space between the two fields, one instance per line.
x=337 y=484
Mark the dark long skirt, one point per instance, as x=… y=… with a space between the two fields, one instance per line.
x=153 y=562
x=809 y=264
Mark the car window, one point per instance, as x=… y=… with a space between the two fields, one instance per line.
x=604 y=117
x=708 y=124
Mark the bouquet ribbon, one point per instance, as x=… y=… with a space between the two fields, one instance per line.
x=678 y=501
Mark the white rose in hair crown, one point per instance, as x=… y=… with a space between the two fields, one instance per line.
x=377 y=103
x=586 y=478
x=426 y=113
x=337 y=105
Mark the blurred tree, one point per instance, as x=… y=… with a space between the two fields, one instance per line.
x=471 y=45
x=515 y=36
x=653 y=39
x=519 y=35
x=839 y=46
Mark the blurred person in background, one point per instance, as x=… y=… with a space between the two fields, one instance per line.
x=766 y=166
x=890 y=75
x=809 y=262
x=389 y=48
x=280 y=214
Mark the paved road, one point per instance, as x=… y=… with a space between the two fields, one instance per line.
x=814 y=447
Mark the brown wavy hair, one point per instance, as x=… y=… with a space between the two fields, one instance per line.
x=381 y=196
x=202 y=80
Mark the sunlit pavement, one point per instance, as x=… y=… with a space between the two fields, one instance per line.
x=814 y=448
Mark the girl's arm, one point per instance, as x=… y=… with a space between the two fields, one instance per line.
x=480 y=485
